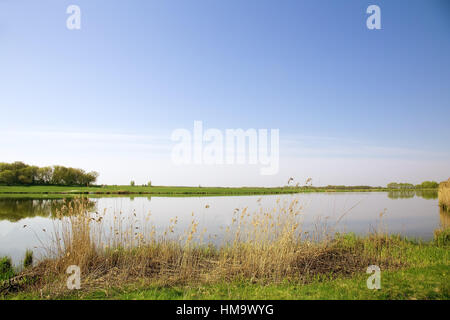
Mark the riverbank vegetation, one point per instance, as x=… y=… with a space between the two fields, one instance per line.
x=264 y=255
x=180 y=191
x=163 y=190
x=444 y=195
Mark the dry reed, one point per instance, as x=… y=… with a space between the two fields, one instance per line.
x=444 y=195
x=264 y=246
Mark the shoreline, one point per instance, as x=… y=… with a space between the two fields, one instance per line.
x=181 y=191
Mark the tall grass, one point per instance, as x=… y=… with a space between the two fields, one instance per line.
x=263 y=246
x=442 y=235
x=28 y=260
x=6 y=268
x=444 y=195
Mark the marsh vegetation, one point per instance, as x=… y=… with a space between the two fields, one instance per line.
x=444 y=195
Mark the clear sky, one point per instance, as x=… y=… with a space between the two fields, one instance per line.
x=353 y=105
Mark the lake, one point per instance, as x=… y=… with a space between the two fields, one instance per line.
x=26 y=223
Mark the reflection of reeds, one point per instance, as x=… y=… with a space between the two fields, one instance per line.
x=442 y=234
x=444 y=195
x=267 y=245
x=444 y=216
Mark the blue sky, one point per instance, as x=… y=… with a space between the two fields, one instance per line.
x=353 y=105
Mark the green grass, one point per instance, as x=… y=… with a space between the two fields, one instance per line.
x=6 y=268
x=415 y=283
x=166 y=190
x=28 y=260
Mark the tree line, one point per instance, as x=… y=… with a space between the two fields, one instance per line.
x=21 y=174
x=405 y=186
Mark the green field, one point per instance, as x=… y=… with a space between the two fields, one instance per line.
x=167 y=190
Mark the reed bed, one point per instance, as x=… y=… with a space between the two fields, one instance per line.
x=444 y=195
x=267 y=246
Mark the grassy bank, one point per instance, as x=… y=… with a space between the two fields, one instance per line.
x=267 y=255
x=422 y=275
x=174 y=191
x=444 y=195
x=430 y=282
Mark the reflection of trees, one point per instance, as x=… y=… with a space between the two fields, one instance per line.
x=15 y=209
x=401 y=194
x=405 y=194
x=427 y=194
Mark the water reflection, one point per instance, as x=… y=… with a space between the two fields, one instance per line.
x=26 y=223
x=16 y=209
x=406 y=194
x=444 y=217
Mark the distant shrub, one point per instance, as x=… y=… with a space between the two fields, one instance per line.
x=132 y=183
x=429 y=185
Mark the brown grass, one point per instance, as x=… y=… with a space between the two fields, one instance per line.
x=264 y=246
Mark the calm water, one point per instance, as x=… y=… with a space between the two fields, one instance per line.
x=414 y=214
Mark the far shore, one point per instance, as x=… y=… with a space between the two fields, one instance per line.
x=182 y=191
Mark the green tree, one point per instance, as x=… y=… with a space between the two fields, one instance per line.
x=44 y=175
x=7 y=177
x=429 y=185
x=19 y=173
x=393 y=185
x=89 y=178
